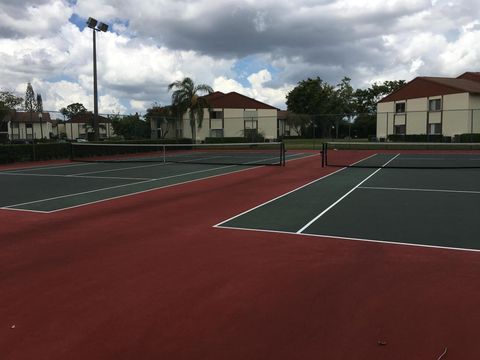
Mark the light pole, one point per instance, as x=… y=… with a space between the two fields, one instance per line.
x=95 y=26
x=40 y=116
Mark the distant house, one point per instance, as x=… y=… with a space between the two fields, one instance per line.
x=23 y=125
x=81 y=127
x=230 y=115
x=432 y=105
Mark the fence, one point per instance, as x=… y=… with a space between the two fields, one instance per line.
x=451 y=125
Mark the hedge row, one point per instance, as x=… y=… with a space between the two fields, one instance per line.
x=238 y=139
x=150 y=141
x=467 y=138
x=28 y=152
x=420 y=138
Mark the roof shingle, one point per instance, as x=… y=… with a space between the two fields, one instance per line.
x=234 y=100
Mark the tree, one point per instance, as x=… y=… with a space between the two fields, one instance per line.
x=72 y=110
x=39 y=103
x=131 y=127
x=365 y=100
x=162 y=117
x=299 y=122
x=326 y=103
x=30 y=104
x=8 y=102
x=186 y=99
x=365 y=105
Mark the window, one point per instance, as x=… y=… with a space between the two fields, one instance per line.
x=400 y=107
x=435 y=129
x=435 y=105
x=399 y=129
x=28 y=126
x=216 y=114
x=218 y=133
x=250 y=115
x=250 y=126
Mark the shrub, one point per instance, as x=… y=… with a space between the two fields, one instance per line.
x=467 y=138
x=419 y=138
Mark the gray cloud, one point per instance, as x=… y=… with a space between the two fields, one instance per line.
x=159 y=41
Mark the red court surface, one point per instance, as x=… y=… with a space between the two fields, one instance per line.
x=148 y=277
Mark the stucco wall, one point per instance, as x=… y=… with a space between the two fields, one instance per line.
x=455 y=116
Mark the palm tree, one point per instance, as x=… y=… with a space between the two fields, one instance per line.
x=185 y=98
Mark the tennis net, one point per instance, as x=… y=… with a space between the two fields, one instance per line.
x=401 y=155
x=271 y=153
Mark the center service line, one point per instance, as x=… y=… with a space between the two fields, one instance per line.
x=344 y=196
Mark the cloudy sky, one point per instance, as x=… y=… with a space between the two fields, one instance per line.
x=260 y=48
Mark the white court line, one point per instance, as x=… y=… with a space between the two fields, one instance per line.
x=344 y=196
x=292 y=191
x=118 y=169
x=112 y=187
x=11 y=207
x=163 y=187
x=72 y=176
x=44 y=167
x=25 y=210
x=278 y=197
x=352 y=239
x=435 y=159
x=420 y=190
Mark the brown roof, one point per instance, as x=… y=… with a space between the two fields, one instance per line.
x=425 y=86
x=282 y=114
x=475 y=76
x=28 y=117
x=234 y=100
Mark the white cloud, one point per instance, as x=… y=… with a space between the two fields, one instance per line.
x=257 y=88
x=160 y=41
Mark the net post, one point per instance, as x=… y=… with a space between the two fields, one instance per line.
x=282 y=153
x=322 y=153
x=164 y=153
x=71 y=151
x=325 y=154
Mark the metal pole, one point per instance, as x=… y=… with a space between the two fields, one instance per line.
x=40 y=116
x=95 y=92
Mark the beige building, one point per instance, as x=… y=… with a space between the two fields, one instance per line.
x=22 y=125
x=230 y=115
x=432 y=106
x=80 y=127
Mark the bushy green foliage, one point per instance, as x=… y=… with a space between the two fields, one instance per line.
x=29 y=152
x=419 y=138
x=224 y=140
x=131 y=127
x=467 y=138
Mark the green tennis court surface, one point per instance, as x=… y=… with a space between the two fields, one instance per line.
x=427 y=207
x=53 y=188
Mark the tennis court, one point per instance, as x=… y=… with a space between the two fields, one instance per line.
x=419 y=199
x=130 y=258
x=126 y=170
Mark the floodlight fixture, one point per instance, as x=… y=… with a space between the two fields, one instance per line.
x=102 y=27
x=91 y=23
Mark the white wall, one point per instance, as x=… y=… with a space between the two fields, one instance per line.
x=234 y=123
x=455 y=116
